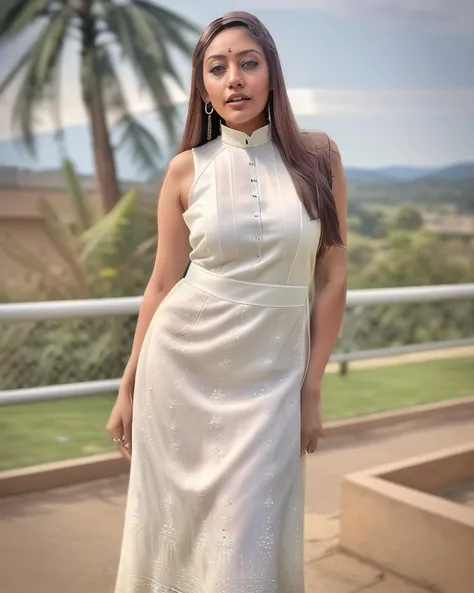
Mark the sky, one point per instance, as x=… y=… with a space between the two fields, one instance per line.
x=389 y=80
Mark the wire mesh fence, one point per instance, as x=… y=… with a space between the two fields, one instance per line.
x=66 y=351
x=52 y=352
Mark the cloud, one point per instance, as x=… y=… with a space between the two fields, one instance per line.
x=436 y=16
x=425 y=15
x=420 y=103
x=383 y=102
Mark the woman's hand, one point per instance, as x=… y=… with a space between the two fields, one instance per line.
x=311 y=420
x=119 y=425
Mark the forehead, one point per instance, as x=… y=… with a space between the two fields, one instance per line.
x=235 y=38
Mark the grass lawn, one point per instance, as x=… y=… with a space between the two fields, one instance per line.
x=50 y=431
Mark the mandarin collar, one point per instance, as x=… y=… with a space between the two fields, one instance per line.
x=242 y=140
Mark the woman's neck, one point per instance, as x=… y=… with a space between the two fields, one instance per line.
x=249 y=127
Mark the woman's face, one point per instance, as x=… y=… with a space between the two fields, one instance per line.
x=236 y=79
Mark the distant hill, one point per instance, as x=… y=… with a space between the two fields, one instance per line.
x=393 y=173
x=456 y=172
x=401 y=173
x=365 y=175
x=427 y=192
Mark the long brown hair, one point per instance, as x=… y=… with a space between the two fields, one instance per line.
x=310 y=169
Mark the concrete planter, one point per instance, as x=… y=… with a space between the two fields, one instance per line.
x=399 y=517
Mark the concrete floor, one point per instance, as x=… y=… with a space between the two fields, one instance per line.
x=68 y=540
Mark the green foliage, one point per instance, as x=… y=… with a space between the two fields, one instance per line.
x=361 y=252
x=83 y=214
x=407 y=218
x=370 y=222
x=408 y=258
x=69 y=351
x=111 y=257
x=413 y=259
x=389 y=247
x=423 y=193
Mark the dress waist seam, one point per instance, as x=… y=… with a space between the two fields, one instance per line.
x=251 y=293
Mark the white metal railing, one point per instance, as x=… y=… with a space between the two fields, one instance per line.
x=46 y=310
x=74 y=309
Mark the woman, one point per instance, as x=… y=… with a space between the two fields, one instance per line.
x=227 y=362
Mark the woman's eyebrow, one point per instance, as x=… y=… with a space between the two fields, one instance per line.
x=238 y=54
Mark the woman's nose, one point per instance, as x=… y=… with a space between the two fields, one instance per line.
x=235 y=77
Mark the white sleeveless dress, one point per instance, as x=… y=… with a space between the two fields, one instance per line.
x=215 y=501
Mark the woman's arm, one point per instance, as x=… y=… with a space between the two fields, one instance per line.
x=170 y=262
x=330 y=286
x=172 y=250
x=330 y=280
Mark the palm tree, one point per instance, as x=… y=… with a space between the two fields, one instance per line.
x=141 y=31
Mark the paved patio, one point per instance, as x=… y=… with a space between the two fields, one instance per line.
x=67 y=540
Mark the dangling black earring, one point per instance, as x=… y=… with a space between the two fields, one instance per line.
x=209 y=120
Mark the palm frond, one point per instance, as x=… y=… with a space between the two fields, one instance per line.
x=30 y=260
x=65 y=243
x=77 y=197
x=110 y=229
x=140 y=142
x=133 y=135
x=172 y=22
x=16 y=16
x=160 y=93
x=9 y=12
x=151 y=33
x=17 y=68
x=170 y=26
x=52 y=44
x=41 y=63
x=148 y=66
x=111 y=86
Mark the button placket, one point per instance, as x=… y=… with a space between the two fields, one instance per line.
x=257 y=208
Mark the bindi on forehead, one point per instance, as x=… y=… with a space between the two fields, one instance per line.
x=236 y=42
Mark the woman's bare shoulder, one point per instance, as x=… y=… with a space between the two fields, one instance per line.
x=180 y=175
x=182 y=164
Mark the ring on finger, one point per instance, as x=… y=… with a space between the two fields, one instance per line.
x=127 y=446
x=118 y=439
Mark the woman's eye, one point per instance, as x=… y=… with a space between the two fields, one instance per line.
x=220 y=68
